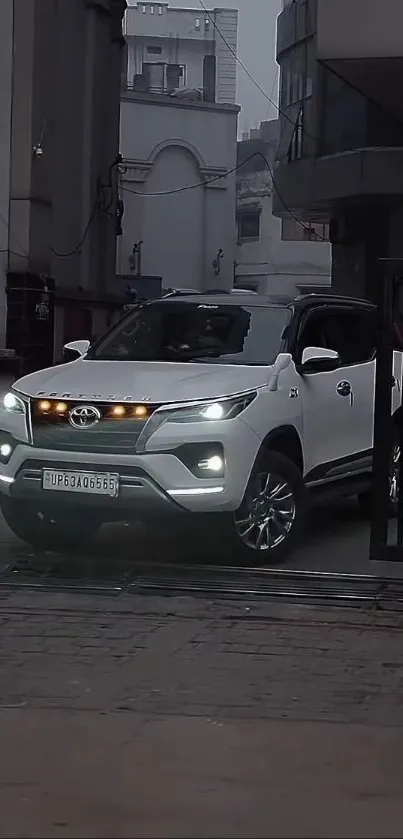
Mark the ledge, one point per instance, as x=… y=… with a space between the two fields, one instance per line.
x=171 y=102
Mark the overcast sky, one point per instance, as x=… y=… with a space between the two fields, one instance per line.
x=256 y=48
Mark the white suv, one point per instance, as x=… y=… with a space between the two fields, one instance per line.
x=238 y=407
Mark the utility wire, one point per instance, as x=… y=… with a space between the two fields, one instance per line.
x=22 y=255
x=230 y=172
x=248 y=72
x=288 y=209
x=189 y=186
x=80 y=244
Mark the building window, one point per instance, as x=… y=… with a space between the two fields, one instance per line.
x=294 y=231
x=154 y=50
x=249 y=226
x=160 y=10
x=144 y=10
x=294 y=76
x=296 y=145
x=297 y=73
x=163 y=78
x=197 y=23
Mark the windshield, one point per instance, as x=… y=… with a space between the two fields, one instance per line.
x=180 y=331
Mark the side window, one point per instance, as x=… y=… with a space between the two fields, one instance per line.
x=350 y=332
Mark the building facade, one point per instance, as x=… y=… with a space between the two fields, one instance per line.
x=6 y=75
x=273 y=256
x=178 y=142
x=178 y=190
x=59 y=135
x=171 y=49
x=341 y=135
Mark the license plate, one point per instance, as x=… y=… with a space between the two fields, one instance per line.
x=94 y=483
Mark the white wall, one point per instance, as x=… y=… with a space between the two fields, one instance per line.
x=6 y=47
x=179 y=144
x=275 y=265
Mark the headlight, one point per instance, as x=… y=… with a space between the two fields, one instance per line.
x=224 y=409
x=220 y=410
x=13 y=404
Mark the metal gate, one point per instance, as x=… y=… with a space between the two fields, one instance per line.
x=386 y=542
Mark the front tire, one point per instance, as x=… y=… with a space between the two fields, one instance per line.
x=45 y=530
x=268 y=524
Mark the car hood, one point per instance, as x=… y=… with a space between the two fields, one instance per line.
x=137 y=381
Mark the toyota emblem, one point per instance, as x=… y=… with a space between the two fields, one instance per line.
x=84 y=416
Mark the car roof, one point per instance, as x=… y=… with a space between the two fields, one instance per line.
x=244 y=298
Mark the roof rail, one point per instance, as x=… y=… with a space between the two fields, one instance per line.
x=242 y=291
x=178 y=292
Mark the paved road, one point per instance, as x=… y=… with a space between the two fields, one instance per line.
x=178 y=718
x=337 y=540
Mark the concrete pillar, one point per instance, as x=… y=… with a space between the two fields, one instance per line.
x=360 y=237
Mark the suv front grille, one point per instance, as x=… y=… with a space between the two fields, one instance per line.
x=111 y=434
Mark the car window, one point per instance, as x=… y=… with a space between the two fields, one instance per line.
x=350 y=332
x=209 y=333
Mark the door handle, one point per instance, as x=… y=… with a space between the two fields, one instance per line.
x=344 y=389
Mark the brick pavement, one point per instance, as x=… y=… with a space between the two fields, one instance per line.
x=173 y=717
x=178 y=655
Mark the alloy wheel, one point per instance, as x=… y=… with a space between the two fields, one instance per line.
x=267 y=515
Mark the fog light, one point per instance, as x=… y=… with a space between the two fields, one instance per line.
x=212 y=464
x=119 y=411
x=45 y=406
x=61 y=408
x=140 y=411
x=5 y=450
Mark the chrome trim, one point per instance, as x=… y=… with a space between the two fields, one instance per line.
x=336 y=478
x=359 y=465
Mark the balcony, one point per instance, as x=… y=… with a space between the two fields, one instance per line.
x=361 y=41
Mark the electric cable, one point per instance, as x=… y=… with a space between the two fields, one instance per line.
x=189 y=186
x=230 y=172
x=248 y=72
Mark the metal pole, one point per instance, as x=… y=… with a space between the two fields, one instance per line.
x=382 y=417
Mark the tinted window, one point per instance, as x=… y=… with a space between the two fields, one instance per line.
x=195 y=332
x=351 y=333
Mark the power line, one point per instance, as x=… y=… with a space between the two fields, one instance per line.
x=23 y=255
x=14 y=253
x=189 y=186
x=288 y=209
x=229 y=172
x=80 y=244
x=248 y=72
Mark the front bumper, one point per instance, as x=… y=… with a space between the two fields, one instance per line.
x=153 y=482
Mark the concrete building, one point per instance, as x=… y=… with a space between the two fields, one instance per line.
x=178 y=142
x=60 y=73
x=184 y=150
x=6 y=71
x=341 y=139
x=273 y=255
x=172 y=49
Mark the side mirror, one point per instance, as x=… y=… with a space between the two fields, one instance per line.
x=319 y=360
x=281 y=363
x=74 y=350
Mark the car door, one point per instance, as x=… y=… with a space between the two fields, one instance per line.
x=337 y=405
